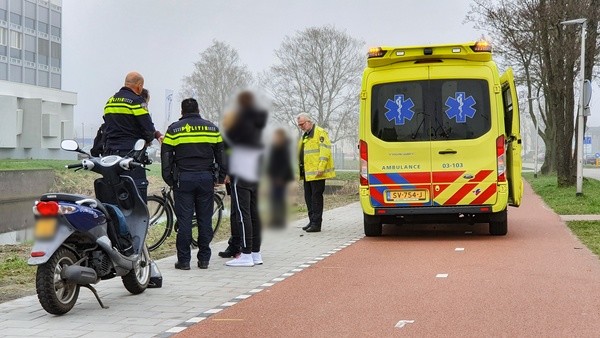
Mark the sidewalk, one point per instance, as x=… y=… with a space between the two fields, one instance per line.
x=186 y=296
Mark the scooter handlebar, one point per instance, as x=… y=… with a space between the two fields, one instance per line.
x=74 y=165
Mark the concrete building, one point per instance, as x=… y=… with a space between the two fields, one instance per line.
x=36 y=115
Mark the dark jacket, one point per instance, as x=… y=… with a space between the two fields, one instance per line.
x=279 y=167
x=247 y=129
x=191 y=144
x=127 y=120
x=98 y=148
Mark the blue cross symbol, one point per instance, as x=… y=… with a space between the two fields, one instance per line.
x=460 y=108
x=399 y=109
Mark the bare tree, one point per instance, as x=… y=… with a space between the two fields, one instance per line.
x=545 y=58
x=217 y=76
x=318 y=72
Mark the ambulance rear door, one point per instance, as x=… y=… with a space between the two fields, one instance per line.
x=464 y=136
x=513 y=138
x=398 y=142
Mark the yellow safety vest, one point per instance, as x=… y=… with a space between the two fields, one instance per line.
x=317 y=155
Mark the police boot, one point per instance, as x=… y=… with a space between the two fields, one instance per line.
x=314 y=228
x=306 y=226
x=231 y=251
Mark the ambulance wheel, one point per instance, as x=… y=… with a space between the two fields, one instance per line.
x=373 y=226
x=499 y=224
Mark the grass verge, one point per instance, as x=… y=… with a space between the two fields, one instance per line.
x=564 y=202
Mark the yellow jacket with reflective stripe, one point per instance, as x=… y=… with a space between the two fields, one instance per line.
x=317 y=155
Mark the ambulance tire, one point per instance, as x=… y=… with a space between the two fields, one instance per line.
x=373 y=226
x=499 y=224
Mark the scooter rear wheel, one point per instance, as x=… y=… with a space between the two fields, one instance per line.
x=56 y=295
x=136 y=281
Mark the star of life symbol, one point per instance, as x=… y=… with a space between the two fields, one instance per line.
x=460 y=107
x=399 y=109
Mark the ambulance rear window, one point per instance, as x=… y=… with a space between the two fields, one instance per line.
x=453 y=109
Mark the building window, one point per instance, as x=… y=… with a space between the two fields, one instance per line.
x=43 y=51
x=3 y=71
x=16 y=40
x=43 y=78
x=43 y=27
x=15 y=73
x=55 y=18
x=3 y=36
x=15 y=18
x=55 y=81
x=55 y=55
x=55 y=31
x=29 y=23
x=29 y=76
x=3 y=14
x=15 y=53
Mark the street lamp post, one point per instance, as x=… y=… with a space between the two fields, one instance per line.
x=583 y=23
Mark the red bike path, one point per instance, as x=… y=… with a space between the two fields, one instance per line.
x=539 y=280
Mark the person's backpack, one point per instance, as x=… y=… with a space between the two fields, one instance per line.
x=124 y=239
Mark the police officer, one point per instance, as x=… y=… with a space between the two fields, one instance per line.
x=189 y=151
x=126 y=120
x=316 y=165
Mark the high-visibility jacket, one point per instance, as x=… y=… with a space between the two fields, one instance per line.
x=316 y=154
x=126 y=120
x=191 y=144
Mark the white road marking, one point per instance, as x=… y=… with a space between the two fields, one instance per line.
x=213 y=311
x=441 y=275
x=278 y=279
x=304 y=265
x=195 y=319
x=268 y=284
x=176 y=329
x=228 y=304
x=297 y=270
x=288 y=274
x=320 y=258
x=243 y=296
x=255 y=290
x=403 y=322
x=459 y=249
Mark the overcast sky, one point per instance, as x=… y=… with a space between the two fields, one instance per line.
x=105 y=39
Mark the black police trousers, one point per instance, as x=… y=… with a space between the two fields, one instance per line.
x=194 y=192
x=313 y=196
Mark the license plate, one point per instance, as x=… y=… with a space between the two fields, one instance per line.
x=45 y=227
x=397 y=196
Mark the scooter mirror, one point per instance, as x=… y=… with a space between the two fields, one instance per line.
x=139 y=145
x=70 y=145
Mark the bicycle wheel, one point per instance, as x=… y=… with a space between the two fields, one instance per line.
x=216 y=219
x=160 y=222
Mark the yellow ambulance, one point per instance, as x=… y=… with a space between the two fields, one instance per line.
x=439 y=137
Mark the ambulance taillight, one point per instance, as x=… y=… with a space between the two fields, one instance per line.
x=364 y=172
x=501 y=158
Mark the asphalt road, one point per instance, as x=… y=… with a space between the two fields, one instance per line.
x=539 y=280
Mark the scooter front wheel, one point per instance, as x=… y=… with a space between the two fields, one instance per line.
x=136 y=281
x=54 y=293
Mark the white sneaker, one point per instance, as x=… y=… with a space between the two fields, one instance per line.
x=241 y=260
x=257 y=258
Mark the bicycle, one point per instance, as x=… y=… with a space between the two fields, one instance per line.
x=162 y=217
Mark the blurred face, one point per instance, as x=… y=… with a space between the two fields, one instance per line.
x=304 y=124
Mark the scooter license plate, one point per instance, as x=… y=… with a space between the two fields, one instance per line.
x=45 y=227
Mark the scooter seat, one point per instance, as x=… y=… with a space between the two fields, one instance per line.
x=73 y=198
